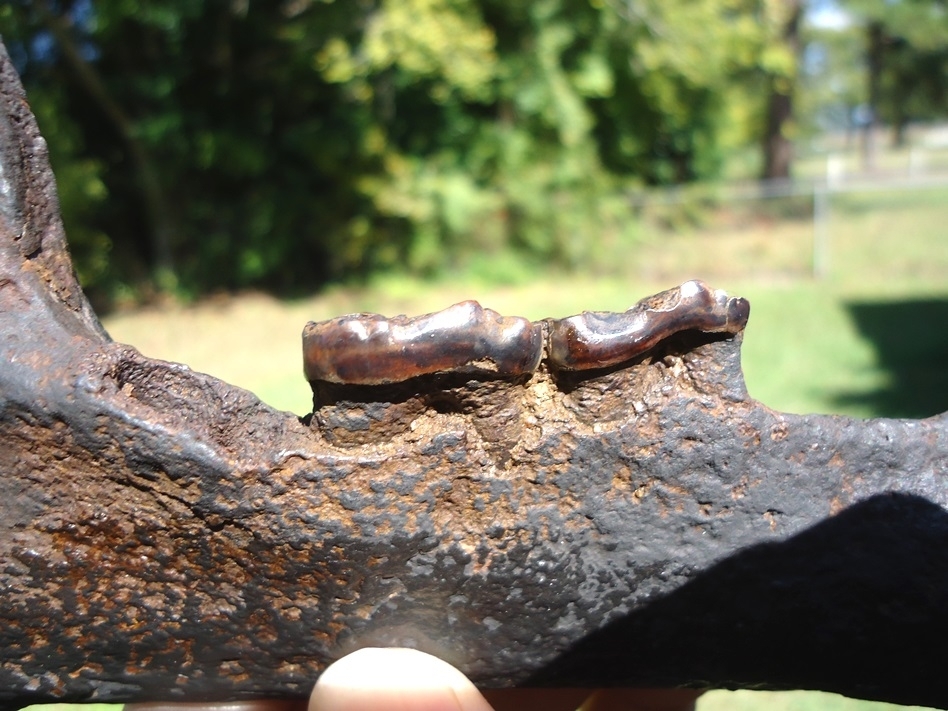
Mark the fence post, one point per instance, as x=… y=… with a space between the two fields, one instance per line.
x=821 y=207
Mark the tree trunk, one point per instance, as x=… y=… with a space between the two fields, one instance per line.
x=778 y=148
x=875 y=63
x=164 y=535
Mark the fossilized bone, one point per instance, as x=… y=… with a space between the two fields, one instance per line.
x=166 y=535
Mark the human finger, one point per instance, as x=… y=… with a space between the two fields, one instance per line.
x=395 y=680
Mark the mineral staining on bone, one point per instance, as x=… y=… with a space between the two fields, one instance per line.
x=370 y=349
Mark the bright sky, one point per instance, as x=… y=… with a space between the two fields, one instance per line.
x=827 y=14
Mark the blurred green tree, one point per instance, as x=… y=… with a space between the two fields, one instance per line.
x=906 y=61
x=208 y=144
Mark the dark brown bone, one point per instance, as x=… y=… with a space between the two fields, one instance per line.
x=164 y=535
x=369 y=349
x=599 y=339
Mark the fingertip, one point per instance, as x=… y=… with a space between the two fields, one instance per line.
x=396 y=679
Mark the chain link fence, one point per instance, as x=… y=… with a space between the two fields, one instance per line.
x=803 y=225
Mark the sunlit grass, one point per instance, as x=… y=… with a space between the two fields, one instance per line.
x=801 y=350
x=789 y=701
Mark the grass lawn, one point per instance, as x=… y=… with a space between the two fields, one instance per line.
x=789 y=701
x=844 y=344
x=803 y=351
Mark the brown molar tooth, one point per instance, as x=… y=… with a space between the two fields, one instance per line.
x=369 y=349
x=596 y=339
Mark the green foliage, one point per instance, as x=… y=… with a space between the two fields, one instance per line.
x=911 y=58
x=82 y=191
x=922 y=23
x=230 y=145
x=834 y=83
